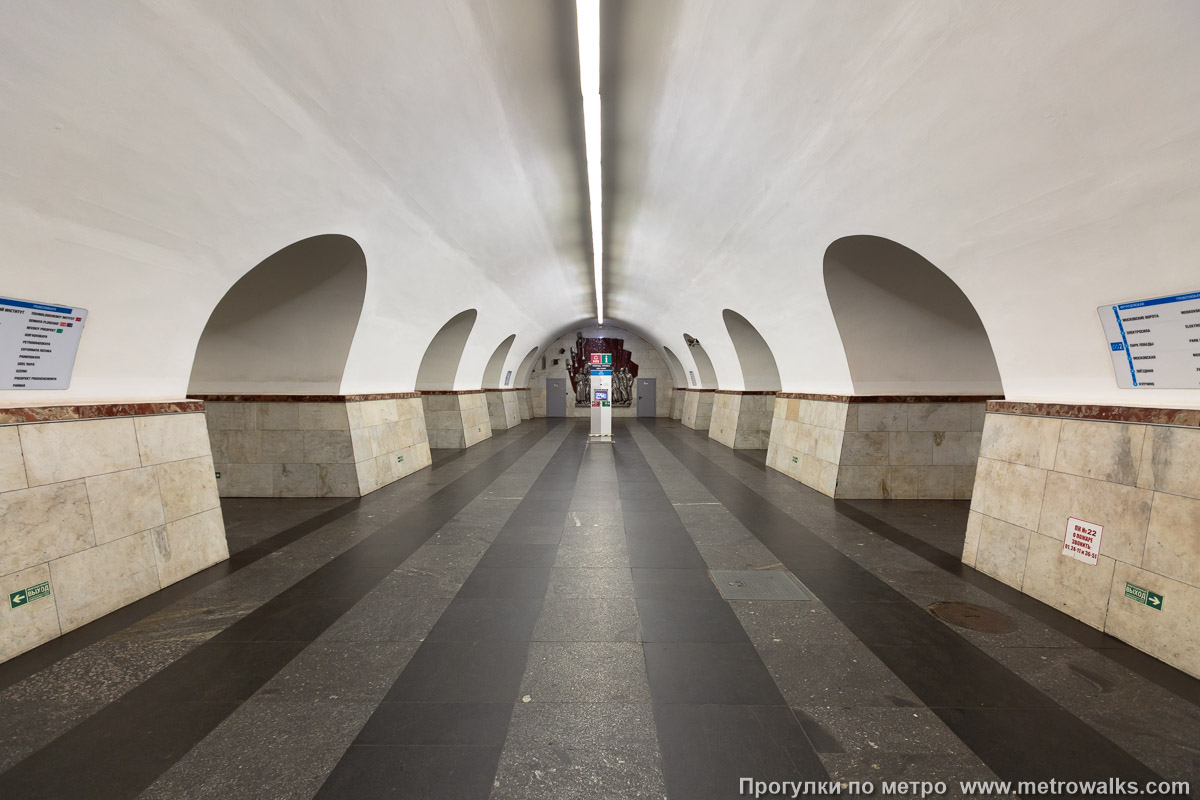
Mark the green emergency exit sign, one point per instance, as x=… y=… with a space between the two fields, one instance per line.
x=1144 y=596
x=26 y=596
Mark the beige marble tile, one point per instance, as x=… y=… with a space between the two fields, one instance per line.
x=231 y=416
x=939 y=417
x=328 y=447
x=424 y=457
x=910 y=449
x=188 y=545
x=1002 y=550
x=26 y=626
x=851 y=423
x=1171 y=461
x=1124 y=511
x=903 y=483
x=245 y=480
x=862 y=483
x=337 y=480
x=1171 y=633
x=172 y=437
x=1173 y=539
x=1079 y=589
x=1108 y=451
x=964 y=482
x=971 y=539
x=956 y=448
x=187 y=487
x=93 y=582
x=936 y=483
x=282 y=447
x=368 y=479
x=1031 y=441
x=294 y=480
x=279 y=416
x=882 y=416
x=43 y=523
x=63 y=451
x=1010 y=492
x=125 y=502
x=864 y=449
x=236 y=447
x=978 y=415
x=354 y=415
x=12 y=463
x=323 y=417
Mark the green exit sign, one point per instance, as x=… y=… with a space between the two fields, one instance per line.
x=795 y=460
x=1144 y=596
x=26 y=596
x=399 y=459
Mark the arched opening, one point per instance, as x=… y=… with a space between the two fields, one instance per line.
x=679 y=382
x=287 y=325
x=439 y=366
x=905 y=325
x=493 y=373
x=678 y=374
x=759 y=370
x=526 y=367
x=704 y=367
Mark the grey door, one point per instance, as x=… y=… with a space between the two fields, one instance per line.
x=646 y=397
x=556 y=397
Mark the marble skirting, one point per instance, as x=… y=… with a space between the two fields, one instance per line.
x=698 y=408
x=98 y=512
x=742 y=420
x=504 y=409
x=315 y=448
x=1139 y=481
x=455 y=419
x=878 y=448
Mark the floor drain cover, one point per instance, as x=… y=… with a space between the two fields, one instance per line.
x=972 y=617
x=757 y=584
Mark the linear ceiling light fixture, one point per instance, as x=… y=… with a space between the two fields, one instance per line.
x=588 y=14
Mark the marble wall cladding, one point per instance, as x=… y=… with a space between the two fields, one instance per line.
x=525 y=403
x=742 y=421
x=301 y=449
x=678 y=396
x=504 y=411
x=698 y=409
x=389 y=441
x=879 y=451
x=96 y=525
x=1140 y=481
x=456 y=421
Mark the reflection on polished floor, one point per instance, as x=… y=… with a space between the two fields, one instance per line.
x=534 y=617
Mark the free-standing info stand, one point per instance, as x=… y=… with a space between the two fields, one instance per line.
x=601 y=380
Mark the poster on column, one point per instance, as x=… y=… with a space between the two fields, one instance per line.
x=38 y=342
x=1155 y=344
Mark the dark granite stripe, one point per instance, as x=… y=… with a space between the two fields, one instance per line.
x=983 y=702
x=164 y=717
x=468 y=670
x=718 y=713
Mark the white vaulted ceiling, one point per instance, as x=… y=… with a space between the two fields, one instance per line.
x=1044 y=156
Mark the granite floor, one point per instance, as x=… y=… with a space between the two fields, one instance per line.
x=535 y=617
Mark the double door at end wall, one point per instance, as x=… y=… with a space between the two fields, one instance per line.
x=557 y=390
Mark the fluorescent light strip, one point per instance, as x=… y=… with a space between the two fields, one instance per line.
x=588 y=14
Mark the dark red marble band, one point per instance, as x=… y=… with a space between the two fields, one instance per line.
x=448 y=391
x=13 y=416
x=302 y=398
x=890 y=398
x=699 y=390
x=1187 y=417
x=735 y=391
x=495 y=390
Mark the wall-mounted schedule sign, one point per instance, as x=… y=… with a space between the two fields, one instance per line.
x=1155 y=344
x=38 y=343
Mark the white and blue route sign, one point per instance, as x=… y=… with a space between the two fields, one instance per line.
x=38 y=342
x=1155 y=344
